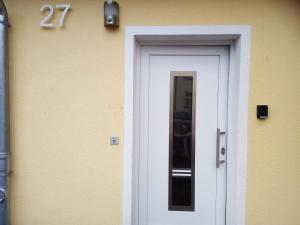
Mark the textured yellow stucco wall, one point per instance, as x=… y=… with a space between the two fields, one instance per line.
x=66 y=89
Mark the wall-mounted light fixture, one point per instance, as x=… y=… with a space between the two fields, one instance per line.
x=111 y=13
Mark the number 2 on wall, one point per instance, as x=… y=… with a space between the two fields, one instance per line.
x=45 y=23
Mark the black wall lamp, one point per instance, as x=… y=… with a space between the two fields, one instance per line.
x=111 y=13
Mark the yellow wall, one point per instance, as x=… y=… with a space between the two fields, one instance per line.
x=66 y=90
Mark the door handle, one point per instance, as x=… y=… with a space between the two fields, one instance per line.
x=218 y=161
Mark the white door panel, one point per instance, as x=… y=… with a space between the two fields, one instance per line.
x=210 y=66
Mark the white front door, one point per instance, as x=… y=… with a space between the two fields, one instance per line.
x=182 y=129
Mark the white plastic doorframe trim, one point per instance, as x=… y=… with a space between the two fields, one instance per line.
x=239 y=39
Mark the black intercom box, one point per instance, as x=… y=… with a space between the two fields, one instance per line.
x=262 y=112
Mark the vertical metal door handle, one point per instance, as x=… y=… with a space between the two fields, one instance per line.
x=218 y=161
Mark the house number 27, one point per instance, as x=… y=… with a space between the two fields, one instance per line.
x=45 y=23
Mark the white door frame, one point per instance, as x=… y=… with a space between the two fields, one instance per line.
x=239 y=39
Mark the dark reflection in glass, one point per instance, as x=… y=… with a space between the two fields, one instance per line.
x=181 y=163
x=180 y=195
x=182 y=122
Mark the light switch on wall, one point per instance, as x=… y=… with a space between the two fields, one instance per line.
x=114 y=140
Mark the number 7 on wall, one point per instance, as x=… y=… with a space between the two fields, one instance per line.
x=45 y=23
